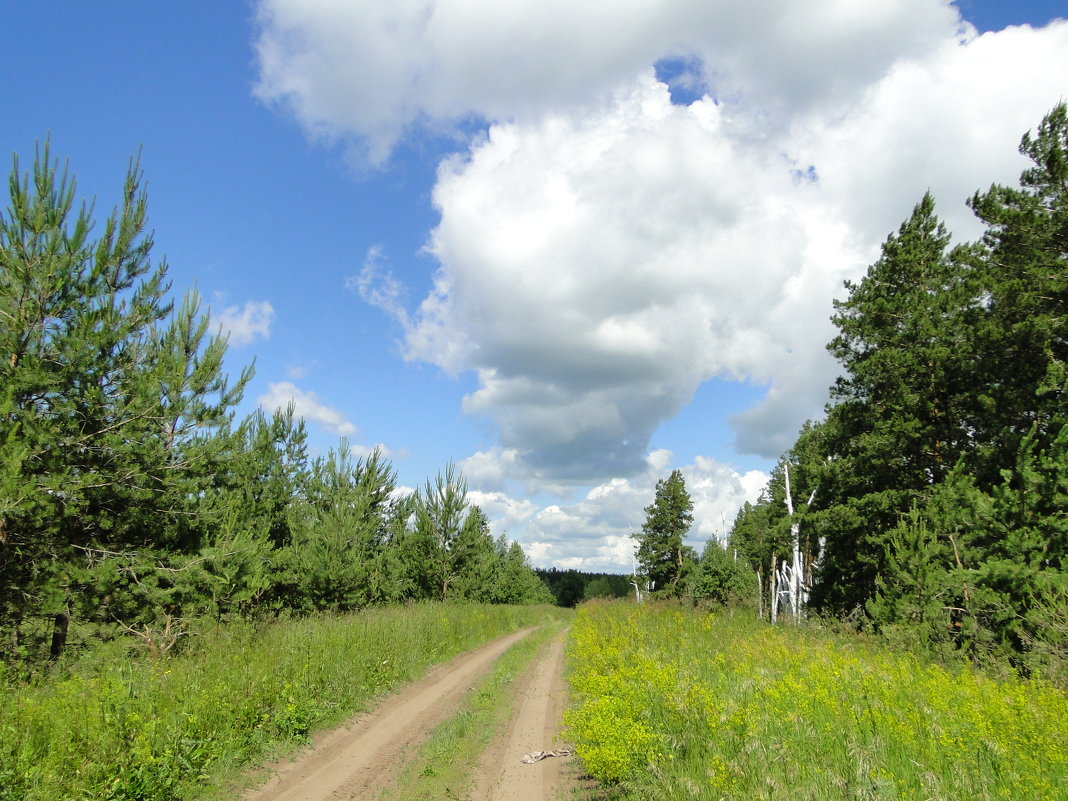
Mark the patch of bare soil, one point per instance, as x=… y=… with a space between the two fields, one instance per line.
x=360 y=759
x=535 y=727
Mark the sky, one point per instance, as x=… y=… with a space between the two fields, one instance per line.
x=569 y=246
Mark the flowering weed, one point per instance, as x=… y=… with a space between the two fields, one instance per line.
x=674 y=703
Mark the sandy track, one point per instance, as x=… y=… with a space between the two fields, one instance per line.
x=540 y=700
x=359 y=761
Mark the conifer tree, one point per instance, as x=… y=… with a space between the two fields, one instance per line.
x=340 y=533
x=115 y=410
x=722 y=578
x=1021 y=267
x=661 y=552
x=440 y=551
x=897 y=423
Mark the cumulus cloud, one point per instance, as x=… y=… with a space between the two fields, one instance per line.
x=506 y=513
x=603 y=252
x=367 y=72
x=596 y=532
x=243 y=324
x=490 y=470
x=596 y=268
x=282 y=394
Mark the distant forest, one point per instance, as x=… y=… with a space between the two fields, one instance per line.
x=571 y=587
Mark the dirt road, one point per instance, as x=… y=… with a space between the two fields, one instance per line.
x=540 y=701
x=360 y=759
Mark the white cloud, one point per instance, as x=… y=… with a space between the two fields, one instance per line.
x=595 y=533
x=603 y=252
x=597 y=267
x=489 y=470
x=368 y=72
x=377 y=286
x=243 y=324
x=281 y=394
x=506 y=512
x=596 y=270
x=402 y=492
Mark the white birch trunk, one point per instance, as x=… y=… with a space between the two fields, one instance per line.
x=786 y=588
x=806 y=577
x=774 y=591
x=634 y=580
x=760 y=594
x=795 y=543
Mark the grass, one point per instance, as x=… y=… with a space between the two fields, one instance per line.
x=678 y=704
x=445 y=764
x=177 y=728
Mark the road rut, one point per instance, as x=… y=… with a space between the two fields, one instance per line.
x=540 y=700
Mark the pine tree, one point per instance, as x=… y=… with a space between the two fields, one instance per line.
x=899 y=415
x=661 y=552
x=1021 y=267
x=340 y=533
x=439 y=552
x=112 y=414
x=723 y=579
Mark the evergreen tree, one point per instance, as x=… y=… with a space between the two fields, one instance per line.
x=722 y=579
x=439 y=552
x=115 y=412
x=661 y=552
x=953 y=407
x=128 y=497
x=340 y=534
x=899 y=415
x=479 y=577
x=1021 y=267
x=913 y=588
x=516 y=581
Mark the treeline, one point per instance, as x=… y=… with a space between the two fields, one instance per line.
x=931 y=503
x=130 y=497
x=571 y=587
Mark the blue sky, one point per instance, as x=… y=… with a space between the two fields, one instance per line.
x=493 y=233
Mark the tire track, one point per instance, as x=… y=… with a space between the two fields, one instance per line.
x=535 y=726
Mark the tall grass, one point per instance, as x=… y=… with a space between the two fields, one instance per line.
x=174 y=728
x=678 y=704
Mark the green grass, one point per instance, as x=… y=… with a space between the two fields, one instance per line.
x=678 y=704
x=177 y=728
x=446 y=762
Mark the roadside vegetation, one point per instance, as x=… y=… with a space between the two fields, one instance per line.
x=570 y=587
x=677 y=703
x=116 y=727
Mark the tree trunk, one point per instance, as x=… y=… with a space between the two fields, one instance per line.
x=760 y=593
x=59 y=635
x=774 y=591
x=795 y=544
